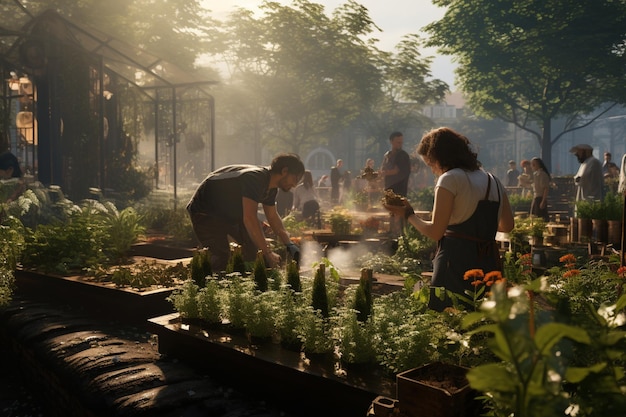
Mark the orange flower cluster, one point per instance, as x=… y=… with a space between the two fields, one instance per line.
x=569 y=260
x=571 y=273
x=526 y=262
x=621 y=271
x=478 y=277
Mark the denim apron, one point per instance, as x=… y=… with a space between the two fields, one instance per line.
x=465 y=246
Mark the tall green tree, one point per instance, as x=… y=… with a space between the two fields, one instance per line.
x=530 y=62
x=407 y=85
x=312 y=72
x=172 y=29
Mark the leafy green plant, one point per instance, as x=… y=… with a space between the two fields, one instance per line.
x=613 y=206
x=354 y=337
x=7 y=284
x=209 y=302
x=589 y=209
x=260 y=318
x=340 y=221
x=535 y=364
x=314 y=330
x=123 y=229
x=288 y=318
x=147 y=273
x=66 y=246
x=239 y=291
x=293 y=226
x=185 y=300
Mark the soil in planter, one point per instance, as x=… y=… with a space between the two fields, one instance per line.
x=445 y=378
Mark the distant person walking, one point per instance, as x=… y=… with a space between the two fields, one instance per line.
x=335 y=178
x=589 y=180
x=396 y=166
x=512 y=174
x=541 y=188
x=525 y=179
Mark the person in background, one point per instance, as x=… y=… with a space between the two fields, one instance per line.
x=225 y=205
x=284 y=202
x=335 y=178
x=395 y=171
x=396 y=166
x=470 y=206
x=346 y=186
x=609 y=168
x=589 y=180
x=512 y=175
x=305 y=197
x=525 y=179
x=541 y=188
x=9 y=169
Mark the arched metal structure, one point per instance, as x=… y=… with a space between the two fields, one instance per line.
x=76 y=100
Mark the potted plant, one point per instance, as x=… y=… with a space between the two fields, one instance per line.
x=586 y=211
x=340 y=221
x=614 y=210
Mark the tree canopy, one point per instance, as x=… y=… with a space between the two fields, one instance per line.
x=530 y=62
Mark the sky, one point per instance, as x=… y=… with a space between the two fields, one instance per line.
x=394 y=17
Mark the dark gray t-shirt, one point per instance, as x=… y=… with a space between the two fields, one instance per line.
x=221 y=191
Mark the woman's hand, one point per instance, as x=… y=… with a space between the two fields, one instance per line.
x=399 y=211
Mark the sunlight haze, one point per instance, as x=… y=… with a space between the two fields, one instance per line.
x=394 y=17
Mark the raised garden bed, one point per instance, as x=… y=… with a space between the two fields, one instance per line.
x=98 y=299
x=320 y=385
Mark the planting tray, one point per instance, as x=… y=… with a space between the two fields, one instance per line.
x=318 y=385
x=97 y=299
x=436 y=390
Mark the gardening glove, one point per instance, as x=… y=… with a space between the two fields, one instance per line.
x=294 y=252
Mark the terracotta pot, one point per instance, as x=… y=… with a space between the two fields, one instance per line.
x=573 y=229
x=599 y=230
x=585 y=230
x=614 y=232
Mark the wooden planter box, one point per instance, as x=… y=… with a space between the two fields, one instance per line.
x=436 y=390
x=101 y=300
x=317 y=384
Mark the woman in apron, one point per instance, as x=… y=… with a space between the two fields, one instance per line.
x=470 y=207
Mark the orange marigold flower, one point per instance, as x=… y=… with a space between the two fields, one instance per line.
x=476 y=283
x=621 y=271
x=568 y=259
x=489 y=283
x=571 y=273
x=570 y=266
x=493 y=276
x=473 y=273
x=526 y=260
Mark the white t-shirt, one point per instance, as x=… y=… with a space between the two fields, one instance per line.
x=301 y=195
x=468 y=188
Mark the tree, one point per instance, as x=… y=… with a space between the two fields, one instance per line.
x=530 y=62
x=407 y=85
x=311 y=72
x=170 y=28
